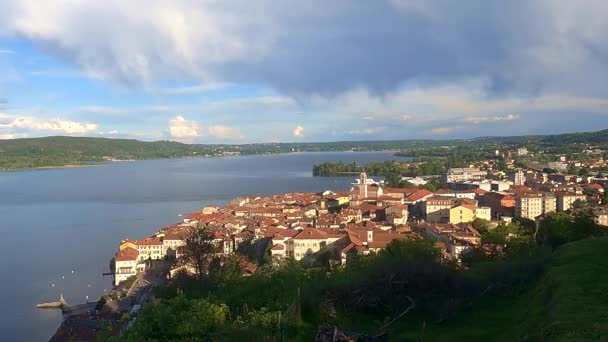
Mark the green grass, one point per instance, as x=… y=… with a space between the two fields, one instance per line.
x=568 y=303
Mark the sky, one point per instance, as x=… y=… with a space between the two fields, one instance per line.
x=241 y=71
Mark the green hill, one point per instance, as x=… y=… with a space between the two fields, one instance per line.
x=60 y=151
x=568 y=303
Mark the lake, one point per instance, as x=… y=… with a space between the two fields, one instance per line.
x=61 y=227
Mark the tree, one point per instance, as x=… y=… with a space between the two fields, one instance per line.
x=412 y=250
x=223 y=271
x=557 y=229
x=428 y=186
x=481 y=225
x=605 y=198
x=502 y=166
x=474 y=256
x=200 y=249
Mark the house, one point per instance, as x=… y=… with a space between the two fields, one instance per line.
x=601 y=215
x=437 y=208
x=396 y=214
x=171 y=242
x=501 y=204
x=462 y=213
x=311 y=240
x=365 y=240
x=126 y=265
x=149 y=249
x=456 y=238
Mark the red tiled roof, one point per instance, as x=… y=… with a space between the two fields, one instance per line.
x=278 y=247
x=311 y=234
x=126 y=254
x=468 y=206
x=418 y=195
x=148 y=242
x=401 y=191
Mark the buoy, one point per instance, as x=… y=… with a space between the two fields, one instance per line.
x=62 y=277
x=72 y=271
x=89 y=285
x=52 y=285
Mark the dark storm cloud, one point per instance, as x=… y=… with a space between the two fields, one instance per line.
x=319 y=47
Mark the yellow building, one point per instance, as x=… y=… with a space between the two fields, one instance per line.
x=462 y=213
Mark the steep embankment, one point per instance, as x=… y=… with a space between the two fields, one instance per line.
x=568 y=303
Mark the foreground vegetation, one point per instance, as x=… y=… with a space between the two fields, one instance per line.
x=546 y=283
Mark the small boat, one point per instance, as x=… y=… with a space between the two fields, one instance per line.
x=52 y=305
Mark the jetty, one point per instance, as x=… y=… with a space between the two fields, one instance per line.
x=53 y=305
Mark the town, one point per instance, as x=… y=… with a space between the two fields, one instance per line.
x=342 y=225
x=370 y=216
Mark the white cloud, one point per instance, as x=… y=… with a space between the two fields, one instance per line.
x=183 y=129
x=112 y=132
x=225 y=132
x=298 y=131
x=367 y=131
x=180 y=128
x=6 y=52
x=51 y=125
x=441 y=130
x=190 y=90
x=12 y=136
x=480 y=119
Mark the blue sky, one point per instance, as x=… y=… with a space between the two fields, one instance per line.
x=238 y=71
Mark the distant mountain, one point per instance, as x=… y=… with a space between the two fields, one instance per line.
x=597 y=137
x=61 y=151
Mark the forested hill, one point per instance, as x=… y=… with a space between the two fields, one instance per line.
x=597 y=137
x=60 y=151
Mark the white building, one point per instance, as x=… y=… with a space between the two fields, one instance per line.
x=126 y=265
x=150 y=249
x=566 y=199
x=464 y=174
x=417 y=181
x=171 y=242
x=532 y=205
x=519 y=178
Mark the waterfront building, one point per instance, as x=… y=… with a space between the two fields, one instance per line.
x=149 y=249
x=126 y=265
x=463 y=174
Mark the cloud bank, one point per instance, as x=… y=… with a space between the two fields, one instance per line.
x=319 y=47
x=182 y=129
x=28 y=123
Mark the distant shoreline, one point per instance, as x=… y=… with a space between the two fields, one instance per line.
x=107 y=162
x=68 y=166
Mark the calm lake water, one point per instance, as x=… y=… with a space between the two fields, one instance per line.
x=62 y=226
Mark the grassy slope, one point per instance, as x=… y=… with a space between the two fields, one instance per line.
x=568 y=303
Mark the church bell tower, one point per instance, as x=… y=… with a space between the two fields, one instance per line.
x=363 y=185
